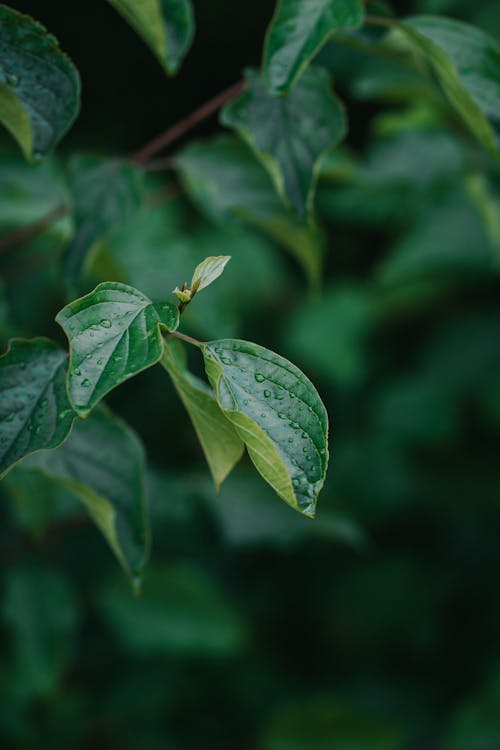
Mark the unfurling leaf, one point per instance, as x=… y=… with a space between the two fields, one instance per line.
x=290 y=134
x=34 y=409
x=208 y=271
x=219 y=440
x=278 y=414
x=39 y=85
x=114 y=333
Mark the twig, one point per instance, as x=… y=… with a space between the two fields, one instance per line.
x=184 y=125
x=189 y=339
x=23 y=234
x=379 y=21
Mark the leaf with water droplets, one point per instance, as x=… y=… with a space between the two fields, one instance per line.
x=114 y=332
x=278 y=414
x=103 y=464
x=34 y=409
x=39 y=85
x=297 y=32
x=167 y=27
x=291 y=134
x=219 y=440
x=207 y=271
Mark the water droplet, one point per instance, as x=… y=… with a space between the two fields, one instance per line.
x=245 y=402
x=281 y=415
x=322 y=451
x=106 y=323
x=279 y=396
x=89 y=356
x=263 y=414
x=76 y=371
x=292 y=394
x=85 y=383
x=99 y=361
x=267 y=394
x=37 y=156
x=305 y=450
x=259 y=378
x=226 y=360
x=296 y=482
x=12 y=79
x=99 y=346
x=305 y=435
x=290 y=440
x=308 y=458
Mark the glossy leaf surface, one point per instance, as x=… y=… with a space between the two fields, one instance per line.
x=208 y=271
x=105 y=195
x=298 y=31
x=166 y=26
x=290 y=134
x=278 y=414
x=34 y=409
x=103 y=464
x=39 y=85
x=220 y=442
x=466 y=62
x=114 y=333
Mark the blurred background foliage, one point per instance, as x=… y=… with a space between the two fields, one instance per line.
x=374 y=627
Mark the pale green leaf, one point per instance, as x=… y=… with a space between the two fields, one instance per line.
x=297 y=32
x=114 y=333
x=278 y=414
x=34 y=409
x=103 y=464
x=290 y=134
x=208 y=271
x=39 y=85
x=106 y=193
x=166 y=26
x=218 y=438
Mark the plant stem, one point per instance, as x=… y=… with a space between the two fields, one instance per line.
x=23 y=234
x=380 y=21
x=186 y=124
x=189 y=339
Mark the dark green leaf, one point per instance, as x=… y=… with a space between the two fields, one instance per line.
x=166 y=26
x=103 y=464
x=290 y=134
x=220 y=442
x=39 y=85
x=278 y=414
x=297 y=32
x=35 y=412
x=224 y=179
x=105 y=195
x=114 y=333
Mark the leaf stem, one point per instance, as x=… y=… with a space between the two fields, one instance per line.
x=189 y=339
x=187 y=123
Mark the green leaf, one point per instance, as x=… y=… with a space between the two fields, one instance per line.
x=39 y=85
x=35 y=412
x=290 y=134
x=106 y=193
x=220 y=442
x=297 y=32
x=466 y=62
x=103 y=464
x=278 y=414
x=208 y=271
x=225 y=180
x=114 y=333
x=166 y=26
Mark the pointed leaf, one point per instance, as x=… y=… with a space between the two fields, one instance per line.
x=297 y=32
x=166 y=26
x=278 y=414
x=103 y=464
x=39 y=85
x=105 y=195
x=208 y=271
x=114 y=333
x=225 y=179
x=220 y=442
x=290 y=134
x=466 y=62
x=34 y=409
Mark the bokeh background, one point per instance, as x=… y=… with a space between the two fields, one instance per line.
x=374 y=627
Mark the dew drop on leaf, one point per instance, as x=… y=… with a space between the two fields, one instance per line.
x=259 y=378
x=106 y=323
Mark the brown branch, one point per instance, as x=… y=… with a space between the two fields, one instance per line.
x=379 y=21
x=29 y=231
x=187 y=123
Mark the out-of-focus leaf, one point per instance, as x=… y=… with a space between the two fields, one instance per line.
x=290 y=134
x=220 y=442
x=224 y=179
x=114 y=332
x=297 y=32
x=166 y=26
x=39 y=85
x=34 y=409
x=180 y=611
x=103 y=464
x=278 y=414
x=41 y=612
x=106 y=193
